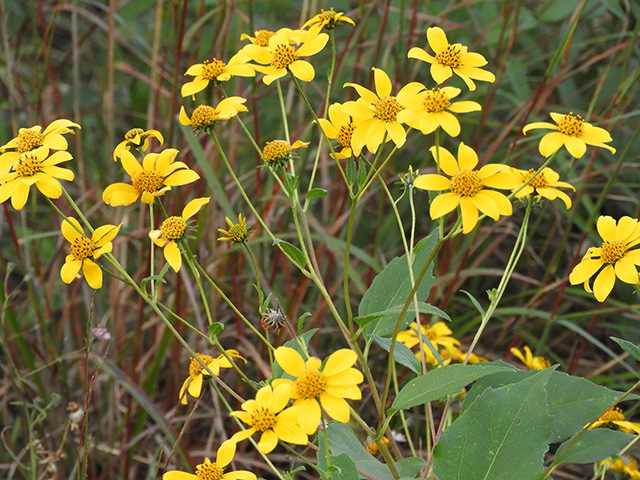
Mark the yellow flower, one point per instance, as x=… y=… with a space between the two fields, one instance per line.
x=452 y=58
x=261 y=37
x=329 y=385
x=544 y=184
x=439 y=334
x=193 y=383
x=136 y=138
x=372 y=447
x=458 y=356
x=340 y=127
x=34 y=167
x=614 y=417
x=328 y=19
x=214 y=470
x=173 y=229
x=267 y=414
x=278 y=152
x=281 y=56
x=615 y=255
x=204 y=117
x=467 y=187
x=215 y=71
x=533 y=363
x=426 y=110
x=30 y=139
x=572 y=132
x=237 y=232
x=157 y=174
x=84 y=251
x=625 y=464
x=376 y=114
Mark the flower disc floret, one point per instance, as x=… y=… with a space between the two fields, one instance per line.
x=212 y=69
x=136 y=138
x=466 y=183
x=29 y=140
x=310 y=384
x=149 y=181
x=344 y=135
x=387 y=109
x=195 y=367
x=276 y=151
x=209 y=471
x=193 y=383
x=571 y=124
x=612 y=251
x=203 y=116
x=262 y=37
x=214 y=470
x=82 y=248
x=435 y=101
x=28 y=165
x=615 y=414
x=451 y=56
x=133 y=135
x=545 y=184
x=173 y=228
x=262 y=419
x=283 y=56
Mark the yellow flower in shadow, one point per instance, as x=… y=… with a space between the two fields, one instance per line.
x=452 y=58
x=193 y=383
x=157 y=174
x=84 y=251
x=467 y=187
x=328 y=19
x=615 y=418
x=136 y=138
x=173 y=229
x=545 y=184
x=615 y=255
x=237 y=232
x=532 y=363
x=572 y=132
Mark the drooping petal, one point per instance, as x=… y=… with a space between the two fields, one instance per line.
x=309 y=415
x=604 y=283
x=575 y=146
x=535 y=125
x=375 y=134
x=20 y=194
x=337 y=408
x=48 y=186
x=225 y=453
x=70 y=269
x=469 y=214
x=92 y=273
x=173 y=256
x=486 y=205
x=268 y=441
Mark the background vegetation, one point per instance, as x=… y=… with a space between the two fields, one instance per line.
x=115 y=65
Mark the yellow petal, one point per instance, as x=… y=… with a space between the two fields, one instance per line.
x=584 y=271
x=129 y=163
x=71 y=229
x=440 y=73
x=382 y=83
x=194 y=207
x=437 y=39
x=575 y=146
x=92 y=273
x=337 y=408
x=432 y=181
x=606 y=227
x=268 y=441
x=302 y=70
x=120 y=194
x=551 y=143
x=70 y=269
x=445 y=159
x=443 y=204
x=184 y=118
x=225 y=453
x=626 y=271
x=181 y=177
x=195 y=387
x=172 y=254
x=467 y=157
x=469 y=214
x=604 y=282
x=309 y=415
x=339 y=361
x=105 y=234
x=486 y=205
x=290 y=361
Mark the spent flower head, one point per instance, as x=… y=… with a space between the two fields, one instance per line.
x=615 y=258
x=328 y=19
x=205 y=117
x=467 y=187
x=157 y=174
x=215 y=71
x=214 y=470
x=193 y=383
x=268 y=416
x=237 y=232
x=572 y=132
x=452 y=58
x=136 y=138
x=37 y=168
x=84 y=251
x=315 y=385
x=174 y=229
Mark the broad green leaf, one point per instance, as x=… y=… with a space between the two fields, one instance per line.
x=503 y=434
x=392 y=287
x=215 y=328
x=444 y=381
x=395 y=311
x=346 y=467
x=351 y=171
x=316 y=192
x=292 y=252
x=410 y=467
x=593 y=446
x=628 y=347
x=573 y=401
x=401 y=353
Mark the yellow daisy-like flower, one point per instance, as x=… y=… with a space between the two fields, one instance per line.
x=136 y=138
x=615 y=255
x=329 y=385
x=328 y=19
x=458 y=356
x=267 y=414
x=173 y=229
x=452 y=58
x=215 y=71
x=193 y=383
x=278 y=152
x=439 y=334
x=572 y=132
x=214 y=470
x=467 y=187
x=376 y=114
x=157 y=174
x=545 y=184
x=341 y=127
x=30 y=139
x=237 y=233
x=281 y=56
x=34 y=168
x=204 y=117
x=426 y=110
x=372 y=446
x=84 y=251
x=533 y=363
x=627 y=465
x=615 y=417
x=262 y=37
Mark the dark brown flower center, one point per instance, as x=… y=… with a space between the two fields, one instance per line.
x=466 y=183
x=82 y=248
x=450 y=56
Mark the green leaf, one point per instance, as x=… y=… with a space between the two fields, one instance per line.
x=503 y=434
x=215 y=328
x=392 y=287
x=628 y=347
x=573 y=401
x=440 y=382
x=410 y=467
x=301 y=321
x=351 y=171
x=475 y=302
x=292 y=252
x=593 y=446
x=395 y=311
x=347 y=469
x=316 y=193
x=401 y=353
x=362 y=174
